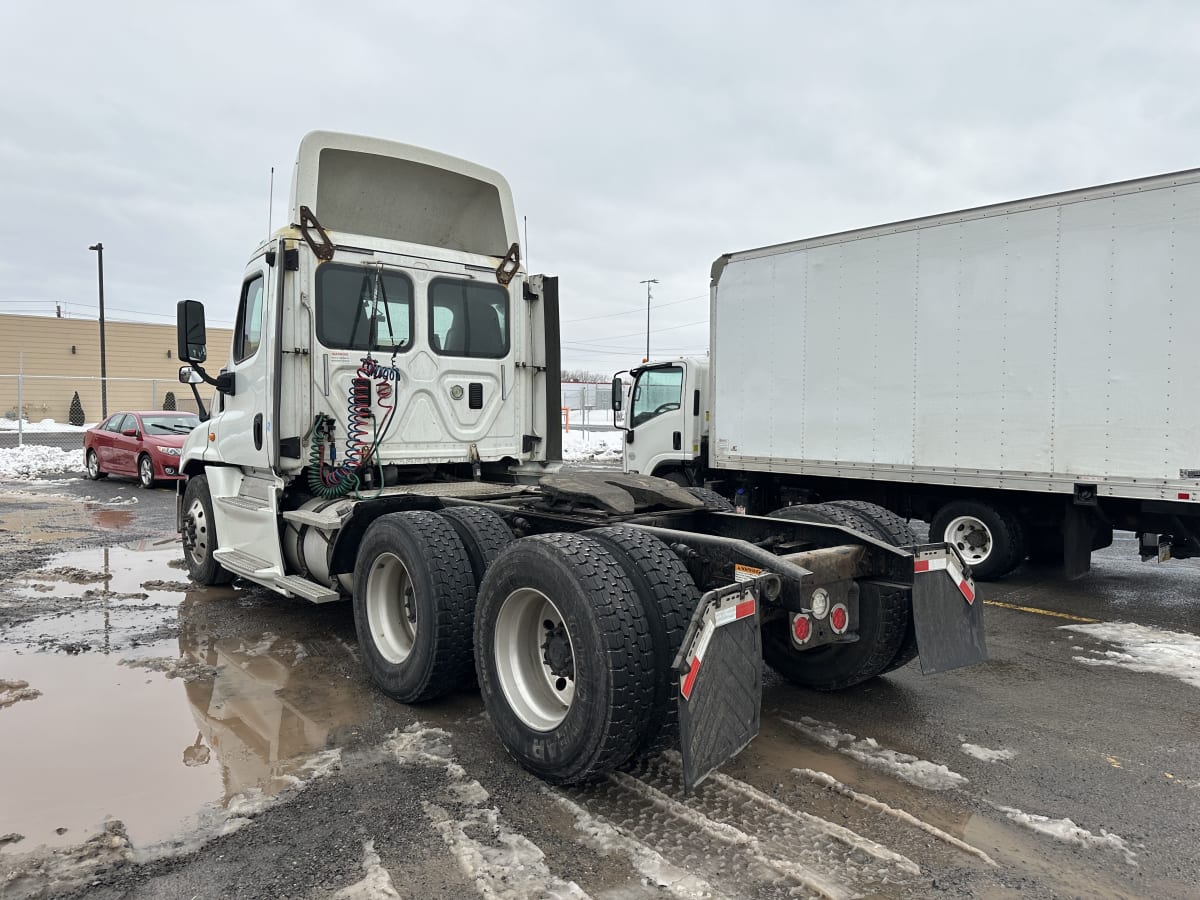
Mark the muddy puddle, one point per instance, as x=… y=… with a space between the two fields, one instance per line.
x=117 y=701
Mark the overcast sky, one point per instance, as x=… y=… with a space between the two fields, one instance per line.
x=641 y=140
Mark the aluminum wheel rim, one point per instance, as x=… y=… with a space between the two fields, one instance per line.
x=93 y=464
x=972 y=538
x=391 y=608
x=539 y=697
x=146 y=471
x=195 y=535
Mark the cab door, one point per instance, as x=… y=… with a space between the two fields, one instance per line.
x=244 y=434
x=656 y=426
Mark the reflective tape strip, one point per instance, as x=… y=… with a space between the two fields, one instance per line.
x=944 y=563
x=733 y=613
x=689 y=680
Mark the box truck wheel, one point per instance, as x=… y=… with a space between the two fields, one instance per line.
x=989 y=536
x=483 y=533
x=669 y=596
x=200 y=534
x=565 y=657
x=414 y=605
x=886 y=638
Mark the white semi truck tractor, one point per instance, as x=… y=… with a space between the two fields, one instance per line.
x=1017 y=375
x=386 y=431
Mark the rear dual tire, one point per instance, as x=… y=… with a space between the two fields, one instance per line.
x=990 y=537
x=886 y=635
x=567 y=659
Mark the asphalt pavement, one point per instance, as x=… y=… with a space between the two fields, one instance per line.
x=239 y=749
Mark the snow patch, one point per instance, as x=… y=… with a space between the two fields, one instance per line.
x=1144 y=649
x=922 y=773
x=654 y=868
x=502 y=863
x=42 y=427
x=579 y=445
x=1067 y=831
x=985 y=755
x=30 y=461
x=172 y=667
x=15 y=691
x=376 y=885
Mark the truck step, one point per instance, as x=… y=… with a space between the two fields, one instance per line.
x=242 y=502
x=241 y=563
x=326 y=519
x=308 y=590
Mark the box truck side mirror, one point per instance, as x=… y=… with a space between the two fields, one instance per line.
x=189 y=331
x=618 y=395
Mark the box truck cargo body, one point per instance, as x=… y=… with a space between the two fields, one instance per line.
x=1036 y=358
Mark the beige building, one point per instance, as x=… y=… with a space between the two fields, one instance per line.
x=61 y=356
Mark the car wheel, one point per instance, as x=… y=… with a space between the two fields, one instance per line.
x=146 y=471
x=93 y=466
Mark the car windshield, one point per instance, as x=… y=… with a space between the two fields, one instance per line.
x=181 y=423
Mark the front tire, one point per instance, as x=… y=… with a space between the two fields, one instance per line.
x=565 y=657
x=200 y=535
x=414 y=599
x=92 y=461
x=990 y=537
x=146 y=471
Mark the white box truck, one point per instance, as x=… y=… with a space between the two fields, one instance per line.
x=1023 y=376
x=386 y=432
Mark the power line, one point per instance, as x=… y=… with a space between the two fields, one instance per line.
x=630 y=312
x=617 y=337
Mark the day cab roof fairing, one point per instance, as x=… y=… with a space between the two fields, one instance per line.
x=391 y=191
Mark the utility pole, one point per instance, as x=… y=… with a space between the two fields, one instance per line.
x=647 y=282
x=99 y=248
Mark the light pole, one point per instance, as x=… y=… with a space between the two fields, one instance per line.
x=99 y=248
x=647 y=282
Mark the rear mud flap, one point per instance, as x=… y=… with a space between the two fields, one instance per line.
x=947 y=616
x=720 y=678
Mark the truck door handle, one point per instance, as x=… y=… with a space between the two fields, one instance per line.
x=258 y=432
x=676 y=441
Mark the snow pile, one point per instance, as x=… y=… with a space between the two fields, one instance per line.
x=377 y=885
x=1067 y=831
x=31 y=461
x=41 y=427
x=924 y=774
x=985 y=755
x=1144 y=649
x=593 y=445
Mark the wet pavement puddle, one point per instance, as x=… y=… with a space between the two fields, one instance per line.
x=124 y=704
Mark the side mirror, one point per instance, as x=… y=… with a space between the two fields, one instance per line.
x=189 y=331
x=130 y=432
x=188 y=375
x=618 y=395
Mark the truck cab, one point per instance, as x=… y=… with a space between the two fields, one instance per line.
x=667 y=421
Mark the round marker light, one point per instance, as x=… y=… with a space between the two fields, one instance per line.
x=819 y=603
x=801 y=628
x=839 y=618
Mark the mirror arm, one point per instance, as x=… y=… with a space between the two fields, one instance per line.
x=201 y=411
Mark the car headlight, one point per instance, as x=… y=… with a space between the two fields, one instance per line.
x=169 y=451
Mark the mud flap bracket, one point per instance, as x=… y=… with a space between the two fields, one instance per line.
x=720 y=677
x=947 y=615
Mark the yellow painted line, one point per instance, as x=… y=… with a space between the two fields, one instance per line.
x=1040 y=612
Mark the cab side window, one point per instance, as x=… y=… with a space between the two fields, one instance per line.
x=248 y=330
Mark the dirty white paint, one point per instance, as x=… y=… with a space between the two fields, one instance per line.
x=1144 y=649
x=920 y=772
x=376 y=883
x=983 y=754
x=1067 y=831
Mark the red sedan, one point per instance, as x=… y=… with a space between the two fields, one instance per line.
x=143 y=444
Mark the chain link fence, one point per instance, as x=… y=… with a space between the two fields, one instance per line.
x=69 y=400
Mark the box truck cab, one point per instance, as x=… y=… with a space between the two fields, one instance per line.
x=667 y=420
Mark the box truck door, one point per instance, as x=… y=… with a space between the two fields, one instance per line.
x=656 y=419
